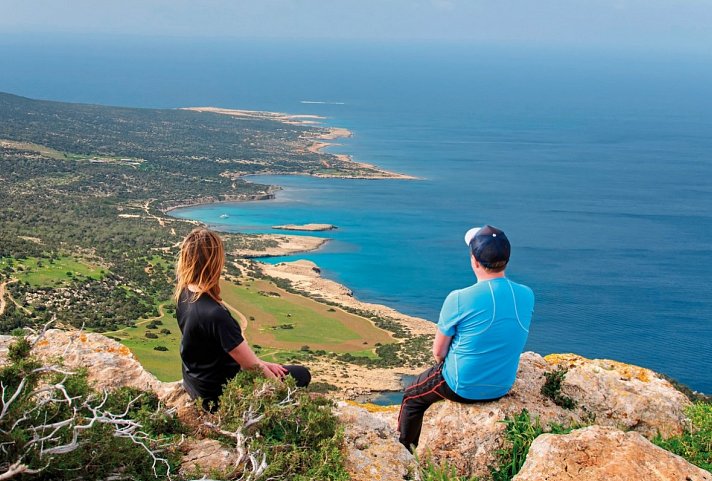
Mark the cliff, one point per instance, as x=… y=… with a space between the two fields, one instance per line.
x=617 y=408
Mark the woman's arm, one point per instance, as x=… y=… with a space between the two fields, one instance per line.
x=247 y=359
x=441 y=345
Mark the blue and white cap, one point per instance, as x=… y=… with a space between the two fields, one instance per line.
x=489 y=245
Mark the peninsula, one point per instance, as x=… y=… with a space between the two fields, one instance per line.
x=86 y=235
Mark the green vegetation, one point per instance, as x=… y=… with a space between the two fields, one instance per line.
x=287 y=321
x=127 y=429
x=520 y=432
x=695 y=445
x=552 y=389
x=428 y=470
x=52 y=272
x=86 y=185
x=160 y=355
x=297 y=435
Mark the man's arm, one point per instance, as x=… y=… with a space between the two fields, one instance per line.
x=441 y=345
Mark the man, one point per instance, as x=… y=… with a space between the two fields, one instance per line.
x=480 y=336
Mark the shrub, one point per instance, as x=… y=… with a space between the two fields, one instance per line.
x=297 y=436
x=521 y=430
x=552 y=389
x=165 y=331
x=160 y=348
x=93 y=435
x=695 y=445
x=428 y=470
x=151 y=335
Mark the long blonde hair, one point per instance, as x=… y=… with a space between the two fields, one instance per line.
x=200 y=262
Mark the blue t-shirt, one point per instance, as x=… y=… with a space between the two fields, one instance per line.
x=489 y=324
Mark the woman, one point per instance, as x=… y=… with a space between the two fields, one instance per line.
x=213 y=349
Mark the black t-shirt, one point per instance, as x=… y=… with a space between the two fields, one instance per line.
x=209 y=334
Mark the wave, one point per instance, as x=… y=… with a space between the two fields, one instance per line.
x=321 y=102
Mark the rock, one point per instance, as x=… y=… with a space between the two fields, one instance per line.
x=623 y=395
x=206 y=456
x=604 y=453
x=109 y=365
x=468 y=436
x=372 y=448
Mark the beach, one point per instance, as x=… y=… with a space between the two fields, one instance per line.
x=354 y=381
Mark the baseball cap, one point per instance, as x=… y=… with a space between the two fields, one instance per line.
x=489 y=245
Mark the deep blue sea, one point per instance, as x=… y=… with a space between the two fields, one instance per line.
x=598 y=165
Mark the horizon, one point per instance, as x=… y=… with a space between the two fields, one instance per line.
x=663 y=26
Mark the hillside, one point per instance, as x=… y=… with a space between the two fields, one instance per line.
x=86 y=237
x=566 y=418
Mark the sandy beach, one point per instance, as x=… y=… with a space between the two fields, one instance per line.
x=352 y=380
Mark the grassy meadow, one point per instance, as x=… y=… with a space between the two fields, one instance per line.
x=281 y=327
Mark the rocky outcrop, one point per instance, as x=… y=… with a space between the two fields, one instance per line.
x=607 y=393
x=108 y=364
x=373 y=452
x=604 y=453
x=623 y=395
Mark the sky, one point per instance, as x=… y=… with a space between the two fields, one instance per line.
x=684 y=25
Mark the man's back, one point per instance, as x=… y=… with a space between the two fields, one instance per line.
x=489 y=325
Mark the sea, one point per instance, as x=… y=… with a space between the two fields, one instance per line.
x=597 y=164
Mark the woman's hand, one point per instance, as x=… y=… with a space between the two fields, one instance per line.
x=272 y=370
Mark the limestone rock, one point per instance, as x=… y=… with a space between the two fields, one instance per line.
x=373 y=452
x=623 y=395
x=206 y=456
x=604 y=453
x=468 y=436
x=108 y=363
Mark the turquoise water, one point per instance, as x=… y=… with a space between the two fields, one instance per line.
x=596 y=164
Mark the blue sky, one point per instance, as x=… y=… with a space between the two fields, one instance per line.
x=638 y=24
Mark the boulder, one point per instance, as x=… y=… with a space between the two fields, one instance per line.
x=109 y=365
x=623 y=395
x=606 y=392
x=372 y=448
x=604 y=453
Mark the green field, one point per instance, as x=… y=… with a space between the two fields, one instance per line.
x=165 y=365
x=50 y=272
x=282 y=320
x=314 y=325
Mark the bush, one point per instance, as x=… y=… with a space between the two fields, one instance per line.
x=160 y=348
x=151 y=335
x=552 y=389
x=521 y=430
x=298 y=436
x=428 y=470
x=117 y=434
x=695 y=445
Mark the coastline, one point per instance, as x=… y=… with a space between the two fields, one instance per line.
x=352 y=380
x=317 y=140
